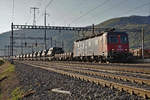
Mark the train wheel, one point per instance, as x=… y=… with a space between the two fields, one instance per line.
x=100 y=62
x=107 y=62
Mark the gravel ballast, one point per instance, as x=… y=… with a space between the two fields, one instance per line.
x=42 y=82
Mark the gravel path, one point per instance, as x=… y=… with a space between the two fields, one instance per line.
x=43 y=81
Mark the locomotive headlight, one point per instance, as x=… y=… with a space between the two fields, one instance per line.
x=112 y=49
x=126 y=49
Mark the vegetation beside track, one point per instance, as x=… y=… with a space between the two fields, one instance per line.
x=1 y=62
x=9 y=85
x=17 y=93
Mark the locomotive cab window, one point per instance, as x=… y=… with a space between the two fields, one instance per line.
x=123 y=39
x=113 y=39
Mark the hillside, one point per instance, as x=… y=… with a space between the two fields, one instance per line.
x=124 y=21
x=135 y=23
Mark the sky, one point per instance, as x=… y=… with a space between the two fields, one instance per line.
x=68 y=12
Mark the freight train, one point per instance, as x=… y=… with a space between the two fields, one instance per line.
x=108 y=46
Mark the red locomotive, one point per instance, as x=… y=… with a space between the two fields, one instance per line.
x=106 y=47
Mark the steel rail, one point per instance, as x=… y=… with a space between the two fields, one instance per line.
x=98 y=68
x=107 y=70
x=119 y=77
x=116 y=64
x=118 y=68
x=130 y=89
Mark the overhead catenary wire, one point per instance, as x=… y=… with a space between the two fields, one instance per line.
x=45 y=14
x=110 y=8
x=100 y=5
x=137 y=7
x=125 y=12
x=48 y=4
x=40 y=3
x=27 y=22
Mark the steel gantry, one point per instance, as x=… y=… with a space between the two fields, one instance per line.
x=13 y=27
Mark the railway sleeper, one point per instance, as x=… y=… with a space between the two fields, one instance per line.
x=119 y=78
x=120 y=88
x=124 y=78
x=141 y=92
x=140 y=82
x=127 y=89
x=112 y=87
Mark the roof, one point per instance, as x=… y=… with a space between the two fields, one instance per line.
x=97 y=35
x=89 y=37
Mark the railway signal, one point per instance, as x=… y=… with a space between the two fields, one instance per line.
x=25 y=44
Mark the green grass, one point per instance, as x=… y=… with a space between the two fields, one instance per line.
x=0 y=94
x=1 y=62
x=17 y=94
x=7 y=71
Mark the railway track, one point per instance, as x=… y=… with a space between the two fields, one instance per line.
x=141 y=68
x=117 y=70
x=111 y=64
x=120 y=77
x=98 y=78
x=135 y=72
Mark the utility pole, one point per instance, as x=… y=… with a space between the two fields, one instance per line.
x=8 y=49
x=34 y=17
x=93 y=29
x=45 y=14
x=55 y=43
x=11 y=42
x=51 y=42
x=62 y=44
x=143 y=43
x=22 y=48
x=32 y=48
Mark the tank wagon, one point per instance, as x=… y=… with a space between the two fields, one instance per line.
x=52 y=52
x=35 y=55
x=41 y=55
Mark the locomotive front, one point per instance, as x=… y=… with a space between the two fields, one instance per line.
x=118 y=47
